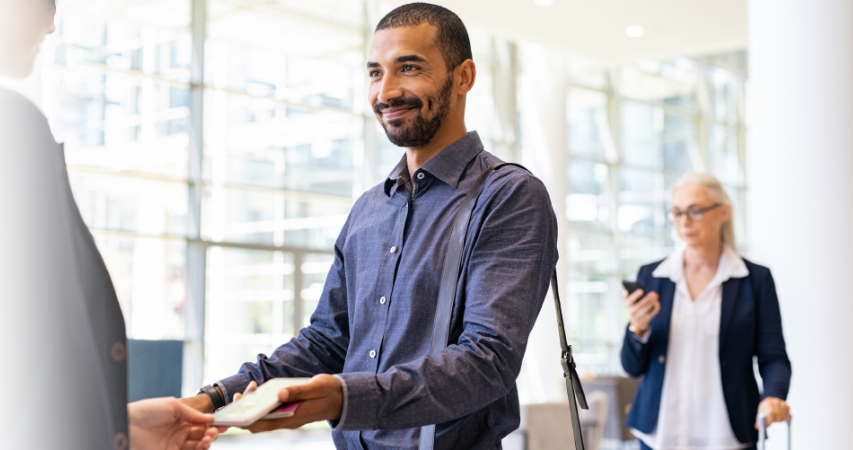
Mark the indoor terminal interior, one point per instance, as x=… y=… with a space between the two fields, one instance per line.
x=216 y=147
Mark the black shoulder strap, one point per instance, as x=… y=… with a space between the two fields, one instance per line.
x=447 y=297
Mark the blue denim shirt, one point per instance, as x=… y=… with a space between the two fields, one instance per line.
x=374 y=323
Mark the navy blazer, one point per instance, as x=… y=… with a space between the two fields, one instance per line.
x=750 y=325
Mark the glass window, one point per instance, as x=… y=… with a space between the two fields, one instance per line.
x=588 y=129
x=250 y=306
x=314 y=268
x=588 y=198
x=149 y=278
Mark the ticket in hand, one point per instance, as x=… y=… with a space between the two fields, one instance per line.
x=257 y=404
x=285 y=410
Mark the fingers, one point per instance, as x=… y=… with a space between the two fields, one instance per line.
x=633 y=297
x=644 y=310
x=250 y=388
x=774 y=410
x=316 y=388
x=188 y=414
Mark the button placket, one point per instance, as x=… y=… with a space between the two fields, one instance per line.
x=386 y=284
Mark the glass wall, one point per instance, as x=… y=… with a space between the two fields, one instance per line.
x=632 y=131
x=217 y=185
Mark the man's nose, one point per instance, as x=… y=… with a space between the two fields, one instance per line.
x=389 y=89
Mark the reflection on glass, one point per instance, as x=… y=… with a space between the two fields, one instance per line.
x=250 y=306
x=641 y=125
x=314 y=268
x=671 y=82
x=115 y=89
x=272 y=218
x=591 y=252
x=587 y=122
x=588 y=188
x=723 y=153
x=148 y=275
x=113 y=202
x=637 y=201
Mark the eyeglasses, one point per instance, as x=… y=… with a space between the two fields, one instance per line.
x=693 y=214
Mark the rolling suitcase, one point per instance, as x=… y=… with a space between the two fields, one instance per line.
x=762 y=433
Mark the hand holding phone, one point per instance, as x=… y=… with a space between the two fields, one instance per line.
x=632 y=286
x=642 y=306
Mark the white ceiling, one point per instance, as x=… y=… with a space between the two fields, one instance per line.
x=596 y=28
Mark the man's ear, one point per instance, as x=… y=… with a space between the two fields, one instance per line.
x=464 y=76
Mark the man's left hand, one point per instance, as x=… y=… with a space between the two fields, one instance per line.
x=774 y=409
x=322 y=399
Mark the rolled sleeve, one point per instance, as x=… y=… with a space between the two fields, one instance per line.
x=338 y=425
x=232 y=385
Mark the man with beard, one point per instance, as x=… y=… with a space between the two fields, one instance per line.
x=368 y=345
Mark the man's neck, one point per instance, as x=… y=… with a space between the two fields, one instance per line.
x=418 y=156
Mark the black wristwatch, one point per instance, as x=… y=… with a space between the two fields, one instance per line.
x=215 y=396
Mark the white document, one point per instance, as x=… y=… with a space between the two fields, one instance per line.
x=255 y=405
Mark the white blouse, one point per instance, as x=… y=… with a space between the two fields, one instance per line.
x=693 y=411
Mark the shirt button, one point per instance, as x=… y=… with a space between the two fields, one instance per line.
x=661 y=359
x=394 y=249
x=420 y=175
x=382 y=301
x=373 y=353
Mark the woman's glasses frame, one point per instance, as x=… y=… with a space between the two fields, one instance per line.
x=693 y=214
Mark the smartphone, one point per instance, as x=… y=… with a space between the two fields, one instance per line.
x=632 y=286
x=254 y=405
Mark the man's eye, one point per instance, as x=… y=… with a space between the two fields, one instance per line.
x=373 y=73
x=408 y=68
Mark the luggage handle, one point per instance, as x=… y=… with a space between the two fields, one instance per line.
x=762 y=431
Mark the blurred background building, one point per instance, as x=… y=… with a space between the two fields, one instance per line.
x=216 y=146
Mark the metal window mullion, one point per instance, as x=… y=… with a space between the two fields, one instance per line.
x=193 y=358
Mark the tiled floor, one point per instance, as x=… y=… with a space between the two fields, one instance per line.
x=306 y=440
x=277 y=440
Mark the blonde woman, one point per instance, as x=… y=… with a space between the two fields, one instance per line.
x=693 y=332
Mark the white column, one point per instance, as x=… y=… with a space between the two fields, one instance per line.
x=800 y=201
x=545 y=153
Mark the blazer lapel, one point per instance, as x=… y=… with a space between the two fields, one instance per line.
x=730 y=291
x=666 y=297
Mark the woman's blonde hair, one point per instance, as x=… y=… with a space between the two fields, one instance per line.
x=715 y=189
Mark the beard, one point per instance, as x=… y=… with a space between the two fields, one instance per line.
x=421 y=131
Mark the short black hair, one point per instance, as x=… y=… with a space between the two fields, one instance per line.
x=451 y=36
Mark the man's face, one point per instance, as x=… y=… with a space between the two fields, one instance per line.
x=410 y=86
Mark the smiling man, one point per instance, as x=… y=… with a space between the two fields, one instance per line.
x=368 y=345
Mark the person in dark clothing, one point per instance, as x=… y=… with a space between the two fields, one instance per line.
x=62 y=333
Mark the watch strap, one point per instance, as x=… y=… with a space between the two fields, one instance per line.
x=215 y=396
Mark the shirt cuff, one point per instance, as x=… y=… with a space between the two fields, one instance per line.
x=361 y=394
x=232 y=384
x=337 y=425
x=644 y=338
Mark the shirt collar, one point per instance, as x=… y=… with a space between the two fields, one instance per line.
x=731 y=266
x=447 y=166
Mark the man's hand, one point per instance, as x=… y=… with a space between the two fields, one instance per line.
x=322 y=399
x=774 y=410
x=200 y=402
x=168 y=424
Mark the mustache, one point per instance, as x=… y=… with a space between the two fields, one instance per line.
x=413 y=102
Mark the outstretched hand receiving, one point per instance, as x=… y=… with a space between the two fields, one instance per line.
x=168 y=424
x=322 y=399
